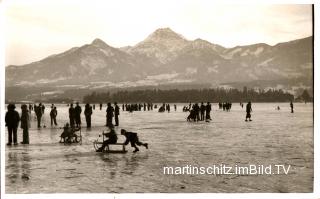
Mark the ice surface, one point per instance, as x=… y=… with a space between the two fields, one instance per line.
x=273 y=137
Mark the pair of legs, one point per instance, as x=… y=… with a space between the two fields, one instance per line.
x=25 y=137
x=135 y=141
x=12 y=131
x=39 y=121
x=248 y=116
x=88 y=120
x=116 y=118
x=53 y=121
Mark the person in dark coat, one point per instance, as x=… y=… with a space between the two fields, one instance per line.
x=12 y=119
x=53 y=115
x=291 y=106
x=133 y=139
x=71 y=115
x=208 y=110
x=78 y=111
x=25 y=124
x=39 y=113
x=248 y=110
x=112 y=139
x=116 y=113
x=110 y=112
x=196 y=112
x=202 y=110
x=88 y=113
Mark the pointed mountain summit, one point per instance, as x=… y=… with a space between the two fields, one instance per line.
x=163 y=44
x=99 y=43
x=165 y=34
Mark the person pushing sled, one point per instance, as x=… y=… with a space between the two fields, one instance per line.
x=130 y=137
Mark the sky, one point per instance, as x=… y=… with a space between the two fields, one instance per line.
x=35 y=29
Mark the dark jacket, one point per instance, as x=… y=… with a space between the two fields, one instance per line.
x=130 y=136
x=12 y=118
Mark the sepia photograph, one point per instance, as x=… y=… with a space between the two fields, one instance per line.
x=157 y=96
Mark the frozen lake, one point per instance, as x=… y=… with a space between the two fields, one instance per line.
x=273 y=137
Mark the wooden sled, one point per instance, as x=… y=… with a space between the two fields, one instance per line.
x=97 y=144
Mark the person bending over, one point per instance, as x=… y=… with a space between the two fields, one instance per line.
x=133 y=139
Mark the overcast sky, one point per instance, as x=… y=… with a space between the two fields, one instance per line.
x=37 y=29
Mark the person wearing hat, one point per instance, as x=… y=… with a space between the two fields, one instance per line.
x=113 y=138
x=12 y=119
x=25 y=124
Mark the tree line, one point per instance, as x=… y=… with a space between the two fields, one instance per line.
x=191 y=95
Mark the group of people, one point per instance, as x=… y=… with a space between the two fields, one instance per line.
x=226 y=106
x=13 y=119
x=199 y=113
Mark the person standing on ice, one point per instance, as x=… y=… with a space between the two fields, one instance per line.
x=110 y=112
x=78 y=111
x=12 y=119
x=248 y=110
x=116 y=113
x=88 y=113
x=71 y=115
x=291 y=105
x=208 y=110
x=25 y=124
x=53 y=115
x=38 y=111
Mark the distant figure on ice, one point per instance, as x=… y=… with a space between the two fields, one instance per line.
x=109 y=111
x=112 y=138
x=12 y=119
x=94 y=106
x=248 y=110
x=77 y=111
x=25 y=124
x=116 y=113
x=133 y=139
x=208 y=109
x=202 y=110
x=175 y=107
x=71 y=115
x=100 y=107
x=39 y=113
x=278 y=108
x=291 y=105
x=88 y=113
x=53 y=115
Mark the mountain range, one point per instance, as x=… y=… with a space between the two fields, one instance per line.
x=167 y=58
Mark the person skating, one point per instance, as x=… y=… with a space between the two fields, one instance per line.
x=25 y=124
x=291 y=106
x=78 y=111
x=116 y=113
x=112 y=139
x=133 y=139
x=248 y=110
x=12 y=119
x=88 y=113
